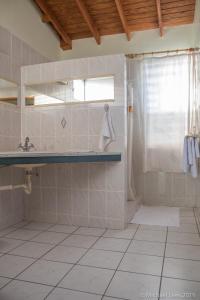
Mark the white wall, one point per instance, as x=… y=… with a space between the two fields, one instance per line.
x=198 y=35
x=142 y=41
x=22 y=18
x=80 y=194
x=13 y=54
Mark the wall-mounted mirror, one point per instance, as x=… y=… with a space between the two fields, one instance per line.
x=69 y=91
x=8 y=92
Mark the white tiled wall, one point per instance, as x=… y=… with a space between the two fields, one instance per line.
x=171 y=189
x=83 y=194
x=10 y=127
x=13 y=54
x=11 y=203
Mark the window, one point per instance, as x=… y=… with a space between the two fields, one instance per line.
x=165 y=104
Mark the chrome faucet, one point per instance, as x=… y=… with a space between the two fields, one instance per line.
x=27 y=146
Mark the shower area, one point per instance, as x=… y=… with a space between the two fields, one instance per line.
x=163 y=108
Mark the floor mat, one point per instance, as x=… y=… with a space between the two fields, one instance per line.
x=157 y=215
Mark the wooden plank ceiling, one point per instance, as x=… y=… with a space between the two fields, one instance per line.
x=78 y=19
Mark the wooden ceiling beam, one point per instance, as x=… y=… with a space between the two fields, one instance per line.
x=123 y=19
x=64 y=45
x=159 y=13
x=45 y=19
x=85 y=14
x=62 y=33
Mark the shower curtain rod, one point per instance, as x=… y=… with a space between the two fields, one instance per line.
x=163 y=52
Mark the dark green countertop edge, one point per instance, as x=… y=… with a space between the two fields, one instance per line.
x=59 y=159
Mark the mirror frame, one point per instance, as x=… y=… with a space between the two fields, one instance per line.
x=18 y=93
x=84 y=102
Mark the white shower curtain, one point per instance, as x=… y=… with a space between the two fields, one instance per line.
x=135 y=127
x=194 y=94
x=165 y=95
x=160 y=97
x=166 y=85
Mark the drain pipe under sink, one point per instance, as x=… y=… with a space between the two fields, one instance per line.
x=27 y=186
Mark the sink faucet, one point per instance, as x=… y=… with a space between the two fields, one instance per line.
x=27 y=146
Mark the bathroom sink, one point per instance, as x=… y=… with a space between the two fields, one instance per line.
x=29 y=160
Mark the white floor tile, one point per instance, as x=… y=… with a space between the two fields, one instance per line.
x=38 y=226
x=145 y=264
x=22 y=234
x=21 y=224
x=183 y=238
x=9 y=244
x=46 y=272
x=111 y=244
x=90 y=231
x=65 y=254
x=182 y=269
x=127 y=233
x=63 y=294
x=50 y=237
x=183 y=251
x=31 y=249
x=17 y=290
x=3 y=281
x=134 y=286
x=149 y=248
x=63 y=228
x=11 y=266
x=101 y=259
x=83 y=241
x=150 y=235
x=174 y=289
x=87 y=279
x=187 y=228
x=7 y=230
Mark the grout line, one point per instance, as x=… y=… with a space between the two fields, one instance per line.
x=77 y=263
x=189 y=280
x=161 y=275
x=120 y=263
x=98 y=238
x=35 y=260
x=68 y=289
x=69 y=246
x=14 y=229
x=197 y=224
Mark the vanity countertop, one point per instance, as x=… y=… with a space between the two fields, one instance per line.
x=14 y=158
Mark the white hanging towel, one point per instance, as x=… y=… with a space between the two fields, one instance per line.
x=197 y=150
x=191 y=153
x=186 y=165
x=107 y=131
x=194 y=164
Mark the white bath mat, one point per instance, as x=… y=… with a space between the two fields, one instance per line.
x=157 y=215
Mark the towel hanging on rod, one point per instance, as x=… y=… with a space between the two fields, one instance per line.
x=107 y=131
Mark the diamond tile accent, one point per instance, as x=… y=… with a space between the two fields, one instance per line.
x=63 y=123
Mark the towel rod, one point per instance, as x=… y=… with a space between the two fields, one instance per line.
x=190 y=50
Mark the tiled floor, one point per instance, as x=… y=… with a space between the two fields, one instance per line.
x=59 y=262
